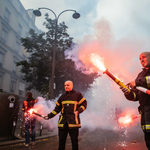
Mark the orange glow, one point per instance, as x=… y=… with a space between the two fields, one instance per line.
x=125 y=120
x=31 y=111
x=97 y=61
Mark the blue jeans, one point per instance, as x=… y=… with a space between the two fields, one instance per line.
x=30 y=125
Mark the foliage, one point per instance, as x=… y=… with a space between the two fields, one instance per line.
x=38 y=67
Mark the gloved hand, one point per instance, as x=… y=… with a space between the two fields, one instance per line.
x=125 y=90
x=132 y=84
x=46 y=117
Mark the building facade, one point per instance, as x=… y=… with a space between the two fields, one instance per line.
x=15 y=22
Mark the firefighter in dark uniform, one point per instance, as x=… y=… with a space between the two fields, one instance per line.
x=143 y=80
x=29 y=119
x=71 y=104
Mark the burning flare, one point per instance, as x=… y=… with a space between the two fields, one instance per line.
x=127 y=119
x=97 y=61
x=31 y=111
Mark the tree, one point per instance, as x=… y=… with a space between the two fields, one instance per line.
x=37 y=68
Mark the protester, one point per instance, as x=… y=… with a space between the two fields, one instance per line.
x=71 y=104
x=143 y=80
x=30 y=119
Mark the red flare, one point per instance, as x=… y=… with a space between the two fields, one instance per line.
x=38 y=114
x=99 y=63
x=143 y=90
x=127 y=119
x=31 y=111
x=116 y=80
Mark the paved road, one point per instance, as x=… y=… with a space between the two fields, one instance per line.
x=98 y=139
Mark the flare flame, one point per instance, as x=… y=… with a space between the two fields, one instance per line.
x=97 y=61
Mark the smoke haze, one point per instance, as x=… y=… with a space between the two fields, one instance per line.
x=121 y=58
x=44 y=107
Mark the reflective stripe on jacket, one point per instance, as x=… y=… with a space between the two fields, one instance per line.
x=28 y=104
x=143 y=80
x=67 y=104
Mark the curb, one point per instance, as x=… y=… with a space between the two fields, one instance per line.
x=21 y=140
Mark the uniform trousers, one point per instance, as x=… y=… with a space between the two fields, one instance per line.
x=147 y=139
x=73 y=133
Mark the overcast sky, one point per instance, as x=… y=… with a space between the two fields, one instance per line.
x=126 y=17
x=117 y=30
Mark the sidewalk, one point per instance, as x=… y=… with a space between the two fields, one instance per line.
x=40 y=134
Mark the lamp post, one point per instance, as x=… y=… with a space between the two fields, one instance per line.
x=75 y=16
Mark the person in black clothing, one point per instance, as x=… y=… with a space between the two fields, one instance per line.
x=71 y=104
x=29 y=119
x=143 y=80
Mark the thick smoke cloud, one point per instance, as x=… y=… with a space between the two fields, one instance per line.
x=121 y=58
x=44 y=107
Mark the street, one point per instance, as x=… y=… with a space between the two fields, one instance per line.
x=97 y=139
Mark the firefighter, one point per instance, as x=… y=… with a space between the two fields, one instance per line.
x=29 y=119
x=71 y=104
x=143 y=80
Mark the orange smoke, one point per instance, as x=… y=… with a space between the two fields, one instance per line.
x=97 y=61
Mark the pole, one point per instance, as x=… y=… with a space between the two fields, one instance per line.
x=51 y=90
x=52 y=79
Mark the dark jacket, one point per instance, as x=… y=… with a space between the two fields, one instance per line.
x=68 y=103
x=143 y=80
x=28 y=104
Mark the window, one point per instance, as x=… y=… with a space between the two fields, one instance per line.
x=21 y=86
x=21 y=75
x=14 y=67
x=21 y=10
x=19 y=29
x=6 y=15
x=12 y=86
x=1 y=79
x=20 y=93
x=3 y=35
x=1 y=59
x=17 y=46
x=27 y=19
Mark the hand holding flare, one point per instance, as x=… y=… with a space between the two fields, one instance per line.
x=98 y=62
x=31 y=111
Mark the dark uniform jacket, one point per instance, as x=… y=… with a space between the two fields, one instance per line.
x=143 y=80
x=28 y=104
x=68 y=103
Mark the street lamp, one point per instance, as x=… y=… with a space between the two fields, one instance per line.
x=75 y=16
